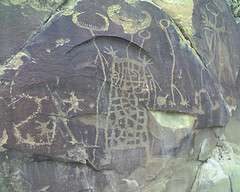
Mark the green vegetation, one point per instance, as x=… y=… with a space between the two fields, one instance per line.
x=235 y=7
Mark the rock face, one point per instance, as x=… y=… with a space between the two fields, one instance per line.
x=215 y=38
x=20 y=19
x=110 y=96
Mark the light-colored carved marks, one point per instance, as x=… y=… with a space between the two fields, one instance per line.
x=89 y=22
x=126 y=115
x=61 y=42
x=131 y=2
x=68 y=12
x=46 y=134
x=110 y=51
x=3 y=139
x=153 y=85
x=214 y=28
x=4 y=84
x=211 y=25
x=128 y=87
x=144 y=35
x=164 y=25
x=199 y=102
x=28 y=139
x=46 y=130
x=162 y=101
x=15 y=62
x=44 y=189
x=73 y=103
x=130 y=24
x=104 y=63
x=61 y=117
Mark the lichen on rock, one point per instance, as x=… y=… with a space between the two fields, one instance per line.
x=181 y=11
x=235 y=7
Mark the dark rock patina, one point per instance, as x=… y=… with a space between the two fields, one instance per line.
x=97 y=86
x=216 y=38
x=20 y=20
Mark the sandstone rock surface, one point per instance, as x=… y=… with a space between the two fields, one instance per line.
x=118 y=95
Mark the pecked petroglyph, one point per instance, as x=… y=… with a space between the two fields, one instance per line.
x=130 y=24
x=84 y=20
x=164 y=25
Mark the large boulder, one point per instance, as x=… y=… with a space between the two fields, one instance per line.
x=107 y=96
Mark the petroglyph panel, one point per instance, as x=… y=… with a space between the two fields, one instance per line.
x=85 y=20
x=84 y=93
x=130 y=23
x=110 y=96
x=19 y=21
x=215 y=38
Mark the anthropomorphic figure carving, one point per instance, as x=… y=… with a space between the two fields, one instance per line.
x=111 y=88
